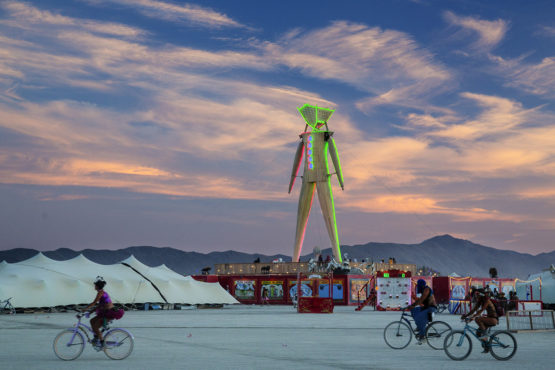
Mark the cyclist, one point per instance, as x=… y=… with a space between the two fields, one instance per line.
x=422 y=307
x=483 y=303
x=104 y=310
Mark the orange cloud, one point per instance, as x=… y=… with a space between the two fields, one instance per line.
x=84 y=167
x=423 y=205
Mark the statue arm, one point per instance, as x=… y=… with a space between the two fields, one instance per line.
x=296 y=165
x=336 y=163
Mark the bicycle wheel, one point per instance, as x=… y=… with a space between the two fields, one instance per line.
x=68 y=345
x=457 y=345
x=397 y=335
x=436 y=332
x=502 y=345
x=118 y=344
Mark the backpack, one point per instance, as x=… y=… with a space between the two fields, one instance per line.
x=498 y=308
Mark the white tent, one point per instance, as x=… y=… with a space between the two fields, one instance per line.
x=43 y=282
x=547 y=277
x=178 y=288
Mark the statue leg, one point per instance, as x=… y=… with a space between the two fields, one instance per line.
x=325 y=197
x=305 y=203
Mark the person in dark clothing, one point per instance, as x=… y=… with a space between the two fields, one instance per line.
x=423 y=306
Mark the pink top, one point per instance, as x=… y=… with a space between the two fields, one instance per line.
x=104 y=300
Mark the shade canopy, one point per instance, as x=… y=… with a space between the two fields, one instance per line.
x=43 y=282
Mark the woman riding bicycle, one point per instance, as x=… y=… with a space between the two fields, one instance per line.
x=483 y=303
x=104 y=310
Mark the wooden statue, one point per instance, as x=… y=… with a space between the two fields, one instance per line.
x=316 y=143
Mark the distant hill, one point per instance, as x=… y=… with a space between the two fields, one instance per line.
x=443 y=253
x=448 y=254
x=186 y=263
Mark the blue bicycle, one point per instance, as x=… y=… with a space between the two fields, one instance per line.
x=69 y=344
x=501 y=344
x=398 y=334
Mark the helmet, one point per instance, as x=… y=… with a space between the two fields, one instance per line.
x=99 y=282
x=420 y=285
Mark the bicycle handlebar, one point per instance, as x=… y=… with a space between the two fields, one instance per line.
x=81 y=313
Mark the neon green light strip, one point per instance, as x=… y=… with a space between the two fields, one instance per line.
x=337 y=170
x=332 y=203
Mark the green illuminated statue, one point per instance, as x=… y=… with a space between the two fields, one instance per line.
x=316 y=143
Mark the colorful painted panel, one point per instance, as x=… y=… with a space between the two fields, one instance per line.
x=306 y=288
x=459 y=288
x=359 y=289
x=273 y=288
x=244 y=289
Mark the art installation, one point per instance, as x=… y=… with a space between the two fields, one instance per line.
x=316 y=143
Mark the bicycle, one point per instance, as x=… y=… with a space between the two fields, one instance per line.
x=69 y=344
x=398 y=334
x=7 y=307
x=501 y=344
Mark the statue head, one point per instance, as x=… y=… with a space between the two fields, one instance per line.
x=316 y=117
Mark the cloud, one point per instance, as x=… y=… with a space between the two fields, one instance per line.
x=26 y=15
x=188 y=13
x=548 y=31
x=365 y=57
x=423 y=205
x=460 y=166
x=537 y=79
x=112 y=54
x=490 y=33
x=368 y=58
x=533 y=78
x=504 y=138
x=414 y=95
x=500 y=116
x=179 y=121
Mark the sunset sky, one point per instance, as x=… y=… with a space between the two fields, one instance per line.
x=172 y=123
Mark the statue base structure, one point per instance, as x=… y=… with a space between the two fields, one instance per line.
x=281 y=281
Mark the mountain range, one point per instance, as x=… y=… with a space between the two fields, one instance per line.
x=444 y=253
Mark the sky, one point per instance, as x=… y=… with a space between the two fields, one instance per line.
x=173 y=123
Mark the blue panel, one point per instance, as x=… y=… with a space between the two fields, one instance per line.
x=324 y=291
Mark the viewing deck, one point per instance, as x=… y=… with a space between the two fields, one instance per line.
x=288 y=268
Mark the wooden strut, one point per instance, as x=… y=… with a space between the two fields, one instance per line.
x=147 y=279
